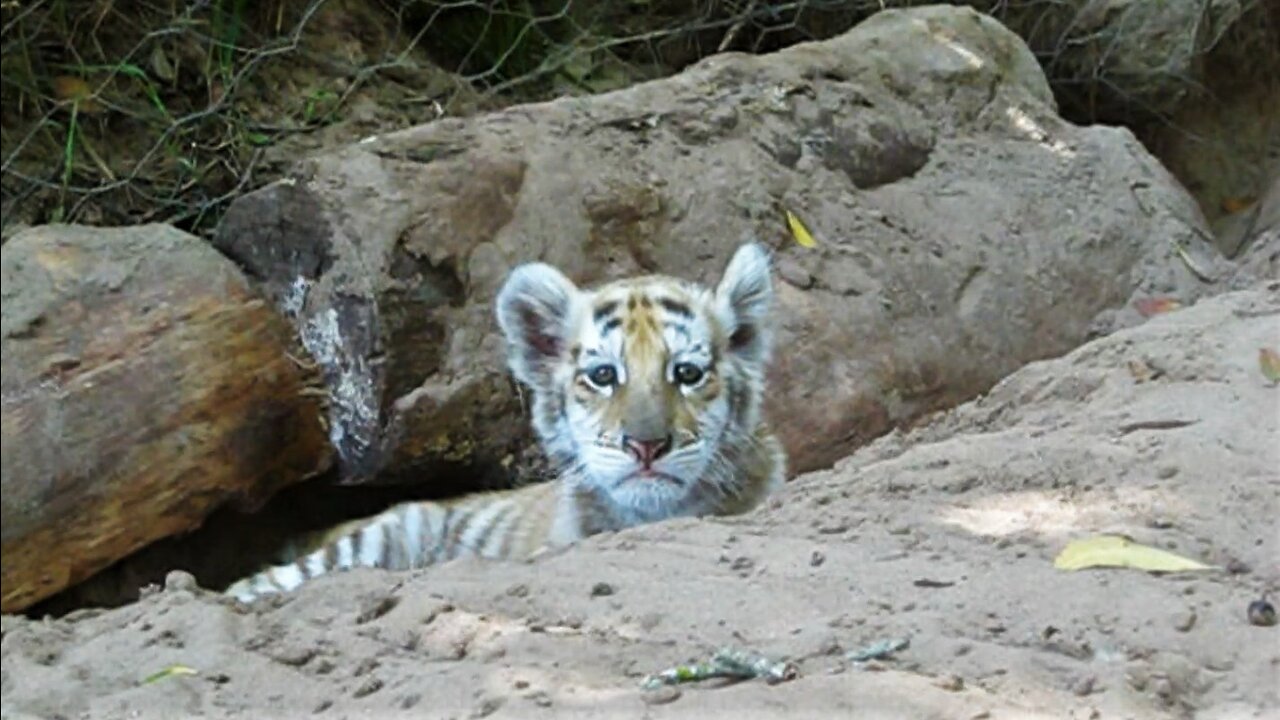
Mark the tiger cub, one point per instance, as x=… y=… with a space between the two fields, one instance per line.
x=646 y=394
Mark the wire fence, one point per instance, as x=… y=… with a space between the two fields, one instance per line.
x=119 y=113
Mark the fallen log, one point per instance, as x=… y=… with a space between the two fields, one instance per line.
x=144 y=384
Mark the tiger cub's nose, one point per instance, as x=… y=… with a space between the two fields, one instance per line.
x=646 y=451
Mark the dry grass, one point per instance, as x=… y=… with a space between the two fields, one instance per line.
x=118 y=113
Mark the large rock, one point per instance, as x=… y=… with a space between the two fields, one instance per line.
x=963 y=229
x=144 y=384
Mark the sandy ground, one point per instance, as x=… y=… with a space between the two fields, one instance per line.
x=1166 y=432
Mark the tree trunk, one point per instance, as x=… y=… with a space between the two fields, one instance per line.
x=144 y=384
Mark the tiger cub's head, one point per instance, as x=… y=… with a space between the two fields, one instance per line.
x=648 y=388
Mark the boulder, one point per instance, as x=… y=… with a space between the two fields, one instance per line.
x=963 y=229
x=145 y=383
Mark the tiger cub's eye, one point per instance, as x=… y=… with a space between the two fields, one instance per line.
x=687 y=373
x=603 y=376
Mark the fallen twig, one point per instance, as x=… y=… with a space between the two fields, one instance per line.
x=878 y=649
x=727 y=663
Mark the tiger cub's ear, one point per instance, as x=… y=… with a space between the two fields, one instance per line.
x=534 y=308
x=744 y=299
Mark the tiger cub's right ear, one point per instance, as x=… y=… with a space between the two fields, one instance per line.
x=534 y=309
x=744 y=299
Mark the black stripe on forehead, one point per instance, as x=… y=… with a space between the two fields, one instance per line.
x=604 y=310
x=675 y=307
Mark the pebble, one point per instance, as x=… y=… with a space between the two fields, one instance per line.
x=951 y=683
x=660 y=696
x=1085 y=686
x=180 y=580
x=368 y=687
x=1185 y=620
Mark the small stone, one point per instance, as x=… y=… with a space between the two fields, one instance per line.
x=1084 y=686
x=518 y=591
x=601 y=589
x=487 y=707
x=293 y=655
x=1261 y=613
x=951 y=683
x=1164 y=472
x=370 y=686
x=817 y=558
x=742 y=564
x=180 y=580
x=1236 y=566
x=661 y=695
x=521 y=684
x=1185 y=620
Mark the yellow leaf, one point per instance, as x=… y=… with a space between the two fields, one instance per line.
x=1269 y=361
x=799 y=231
x=1237 y=204
x=168 y=672
x=76 y=90
x=1119 y=551
x=66 y=87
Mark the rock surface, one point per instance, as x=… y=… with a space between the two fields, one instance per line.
x=145 y=383
x=1255 y=234
x=946 y=534
x=963 y=229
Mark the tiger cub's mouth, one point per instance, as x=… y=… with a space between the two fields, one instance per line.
x=651 y=475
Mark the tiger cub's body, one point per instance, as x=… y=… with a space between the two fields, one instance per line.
x=646 y=395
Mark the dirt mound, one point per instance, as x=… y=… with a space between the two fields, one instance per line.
x=1165 y=432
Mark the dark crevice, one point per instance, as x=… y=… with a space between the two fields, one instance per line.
x=232 y=544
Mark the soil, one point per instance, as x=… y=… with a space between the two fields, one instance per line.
x=947 y=534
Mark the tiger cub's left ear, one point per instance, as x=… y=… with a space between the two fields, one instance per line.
x=534 y=309
x=744 y=299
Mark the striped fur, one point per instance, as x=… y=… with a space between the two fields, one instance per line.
x=646 y=393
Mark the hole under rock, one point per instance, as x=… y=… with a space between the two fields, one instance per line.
x=232 y=544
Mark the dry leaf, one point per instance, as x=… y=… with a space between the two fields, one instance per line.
x=75 y=90
x=1269 y=361
x=67 y=87
x=1235 y=205
x=798 y=231
x=168 y=672
x=1155 y=306
x=1120 y=551
x=161 y=66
